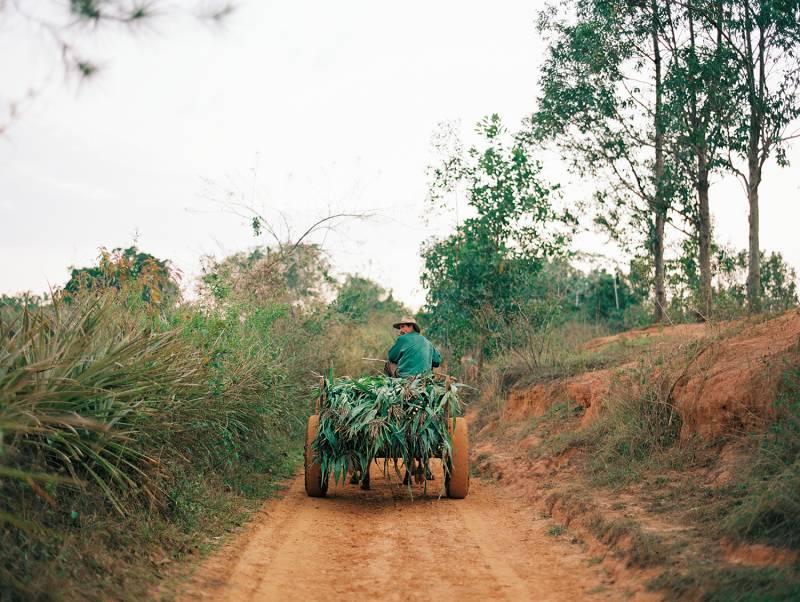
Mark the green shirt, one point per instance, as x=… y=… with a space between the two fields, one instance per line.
x=413 y=354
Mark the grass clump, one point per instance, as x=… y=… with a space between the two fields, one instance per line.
x=638 y=428
x=126 y=426
x=557 y=414
x=763 y=503
x=397 y=419
x=710 y=582
x=556 y=530
x=642 y=549
x=134 y=427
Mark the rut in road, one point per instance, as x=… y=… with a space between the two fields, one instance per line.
x=380 y=544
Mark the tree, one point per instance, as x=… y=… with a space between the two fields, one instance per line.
x=475 y=276
x=360 y=297
x=764 y=38
x=778 y=279
x=606 y=297
x=602 y=105
x=65 y=26
x=700 y=101
x=151 y=279
x=299 y=275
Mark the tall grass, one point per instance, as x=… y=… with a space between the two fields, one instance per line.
x=552 y=350
x=148 y=420
x=639 y=426
x=79 y=387
x=763 y=503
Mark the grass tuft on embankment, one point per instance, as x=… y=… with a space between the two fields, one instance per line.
x=762 y=503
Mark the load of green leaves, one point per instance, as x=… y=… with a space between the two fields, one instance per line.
x=397 y=419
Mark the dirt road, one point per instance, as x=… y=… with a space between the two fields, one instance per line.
x=379 y=544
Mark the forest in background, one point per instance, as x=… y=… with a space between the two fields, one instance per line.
x=651 y=102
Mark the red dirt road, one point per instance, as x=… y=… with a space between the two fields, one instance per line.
x=379 y=544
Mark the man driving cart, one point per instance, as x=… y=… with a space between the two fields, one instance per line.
x=412 y=353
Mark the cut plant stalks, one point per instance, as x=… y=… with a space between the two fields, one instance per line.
x=398 y=419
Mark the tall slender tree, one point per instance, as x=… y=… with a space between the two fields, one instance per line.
x=701 y=99
x=763 y=40
x=602 y=104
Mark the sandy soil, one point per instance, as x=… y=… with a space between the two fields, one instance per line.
x=379 y=544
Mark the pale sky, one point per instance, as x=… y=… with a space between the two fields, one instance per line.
x=303 y=107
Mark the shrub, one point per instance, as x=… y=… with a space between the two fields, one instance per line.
x=126 y=423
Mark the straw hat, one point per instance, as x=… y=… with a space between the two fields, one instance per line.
x=407 y=320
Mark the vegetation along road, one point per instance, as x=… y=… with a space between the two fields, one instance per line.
x=381 y=544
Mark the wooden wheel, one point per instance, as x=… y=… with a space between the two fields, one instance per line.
x=314 y=486
x=457 y=482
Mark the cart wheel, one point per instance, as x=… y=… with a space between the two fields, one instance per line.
x=457 y=482
x=314 y=486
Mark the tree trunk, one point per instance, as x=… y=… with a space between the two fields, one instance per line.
x=659 y=207
x=698 y=131
x=755 y=98
x=704 y=234
x=658 y=260
x=754 y=255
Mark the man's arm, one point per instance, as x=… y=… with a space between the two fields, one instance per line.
x=437 y=359
x=396 y=351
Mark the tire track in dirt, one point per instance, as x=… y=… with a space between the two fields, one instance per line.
x=381 y=544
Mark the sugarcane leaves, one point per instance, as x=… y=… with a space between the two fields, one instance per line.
x=401 y=420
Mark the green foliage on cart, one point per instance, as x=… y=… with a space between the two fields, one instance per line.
x=397 y=419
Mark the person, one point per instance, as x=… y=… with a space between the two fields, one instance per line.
x=412 y=353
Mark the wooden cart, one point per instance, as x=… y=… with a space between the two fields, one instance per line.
x=457 y=473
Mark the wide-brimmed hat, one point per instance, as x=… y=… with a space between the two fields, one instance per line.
x=407 y=320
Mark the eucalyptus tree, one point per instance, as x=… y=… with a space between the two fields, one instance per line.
x=602 y=104
x=700 y=100
x=764 y=38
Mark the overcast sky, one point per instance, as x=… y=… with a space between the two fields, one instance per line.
x=301 y=107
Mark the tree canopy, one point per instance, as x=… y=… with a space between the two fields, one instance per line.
x=473 y=276
x=152 y=279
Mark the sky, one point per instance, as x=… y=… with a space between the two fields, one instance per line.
x=297 y=109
